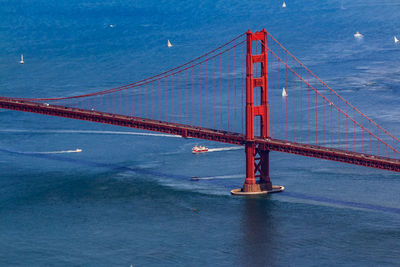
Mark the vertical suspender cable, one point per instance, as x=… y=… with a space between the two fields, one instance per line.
x=186 y=96
x=152 y=101
x=159 y=99
x=220 y=91
x=243 y=85
x=316 y=119
x=200 y=98
x=234 y=85
x=301 y=107
x=213 y=71
x=227 y=88
x=206 y=92
x=193 y=114
x=270 y=98
x=287 y=90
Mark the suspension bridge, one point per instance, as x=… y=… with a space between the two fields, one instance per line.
x=250 y=91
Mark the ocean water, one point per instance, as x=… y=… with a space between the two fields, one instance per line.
x=127 y=198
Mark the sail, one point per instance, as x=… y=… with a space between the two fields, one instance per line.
x=284 y=4
x=169 y=44
x=284 y=93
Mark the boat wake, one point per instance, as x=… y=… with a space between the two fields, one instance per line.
x=78 y=150
x=224 y=149
x=195 y=178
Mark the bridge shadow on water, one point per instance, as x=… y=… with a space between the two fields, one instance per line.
x=258 y=232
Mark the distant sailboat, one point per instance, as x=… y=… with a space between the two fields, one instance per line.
x=284 y=93
x=22 y=59
x=358 y=35
x=395 y=40
x=284 y=4
x=169 y=44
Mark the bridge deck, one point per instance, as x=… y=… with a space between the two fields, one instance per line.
x=188 y=131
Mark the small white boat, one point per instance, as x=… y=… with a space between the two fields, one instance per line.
x=194 y=178
x=199 y=149
x=111 y=25
x=169 y=44
x=358 y=35
x=395 y=39
x=78 y=150
x=22 y=59
x=284 y=4
x=284 y=93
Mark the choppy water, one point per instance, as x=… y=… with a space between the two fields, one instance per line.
x=127 y=198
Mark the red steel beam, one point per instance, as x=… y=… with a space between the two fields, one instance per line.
x=187 y=131
x=320 y=152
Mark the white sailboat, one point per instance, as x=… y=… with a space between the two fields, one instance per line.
x=22 y=59
x=395 y=39
x=284 y=4
x=358 y=35
x=169 y=44
x=284 y=93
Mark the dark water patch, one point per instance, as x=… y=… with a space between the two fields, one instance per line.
x=350 y=204
x=89 y=163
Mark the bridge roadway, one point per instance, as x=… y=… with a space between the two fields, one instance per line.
x=188 y=131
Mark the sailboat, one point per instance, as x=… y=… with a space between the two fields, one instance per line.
x=358 y=35
x=284 y=4
x=284 y=93
x=169 y=44
x=22 y=59
x=395 y=40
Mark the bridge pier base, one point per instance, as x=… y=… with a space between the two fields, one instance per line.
x=257 y=166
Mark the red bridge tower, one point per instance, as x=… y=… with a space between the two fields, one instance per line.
x=257 y=156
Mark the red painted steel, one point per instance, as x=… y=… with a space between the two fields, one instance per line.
x=203 y=133
x=257 y=158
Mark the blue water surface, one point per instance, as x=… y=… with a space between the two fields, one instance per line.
x=128 y=198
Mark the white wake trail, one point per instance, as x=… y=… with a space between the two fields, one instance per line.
x=224 y=149
x=194 y=178
x=78 y=150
